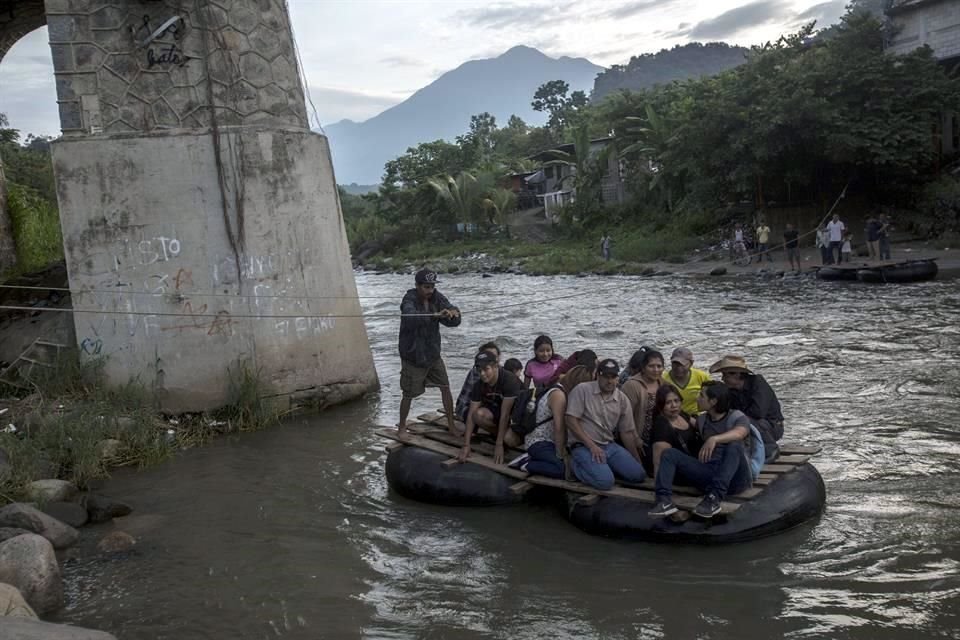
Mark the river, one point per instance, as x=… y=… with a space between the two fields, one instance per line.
x=293 y=533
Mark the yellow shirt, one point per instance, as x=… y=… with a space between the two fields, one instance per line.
x=690 y=392
x=763 y=234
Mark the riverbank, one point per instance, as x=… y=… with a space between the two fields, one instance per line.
x=503 y=255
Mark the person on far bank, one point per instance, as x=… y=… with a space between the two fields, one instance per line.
x=491 y=403
x=791 y=246
x=846 y=250
x=463 y=400
x=884 y=234
x=686 y=378
x=751 y=394
x=823 y=243
x=598 y=412
x=605 y=246
x=423 y=310
x=720 y=467
x=872 y=231
x=763 y=242
x=836 y=229
x=541 y=368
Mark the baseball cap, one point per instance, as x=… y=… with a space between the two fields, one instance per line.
x=682 y=354
x=608 y=367
x=426 y=276
x=483 y=359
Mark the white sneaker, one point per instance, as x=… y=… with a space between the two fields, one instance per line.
x=519 y=462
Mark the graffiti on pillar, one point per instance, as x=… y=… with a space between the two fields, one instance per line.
x=161 y=38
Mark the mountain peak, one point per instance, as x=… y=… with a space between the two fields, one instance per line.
x=522 y=50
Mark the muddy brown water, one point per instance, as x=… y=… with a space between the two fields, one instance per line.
x=293 y=532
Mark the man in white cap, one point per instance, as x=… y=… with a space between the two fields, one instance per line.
x=423 y=310
x=687 y=379
x=751 y=394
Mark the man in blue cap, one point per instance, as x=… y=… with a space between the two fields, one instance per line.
x=422 y=311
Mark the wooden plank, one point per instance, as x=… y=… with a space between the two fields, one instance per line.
x=641 y=496
x=799 y=449
x=767 y=476
x=778 y=468
x=451 y=463
x=393 y=446
x=521 y=487
x=749 y=494
x=433 y=418
x=762 y=482
x=792 y=460
x=588 y=500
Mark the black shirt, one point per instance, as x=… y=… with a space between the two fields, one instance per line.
x=420 y=335
x=491 y=397
x=790 y=238
x=688 y=440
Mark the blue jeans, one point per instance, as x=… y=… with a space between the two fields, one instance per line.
x=600 y=475
x=727 y=471
x=544 y=461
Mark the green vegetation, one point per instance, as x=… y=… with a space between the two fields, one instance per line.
x=800 y=120
x=31 y=197
x=70 y=425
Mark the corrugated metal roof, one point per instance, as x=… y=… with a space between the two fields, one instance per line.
x=903 y=6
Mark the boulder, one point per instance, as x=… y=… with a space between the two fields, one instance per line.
x=50 y=491
x=103 y=509
x=24 y=516
x=29 y=563
x=11 y=532
x=23 y=629
x=12 y=603
x=719 y=271
x=116 y=542
x=69 y=513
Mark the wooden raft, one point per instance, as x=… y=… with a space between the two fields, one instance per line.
x=429 y=437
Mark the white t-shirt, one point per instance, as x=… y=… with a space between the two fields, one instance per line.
x=738 y=235
x=836 y=230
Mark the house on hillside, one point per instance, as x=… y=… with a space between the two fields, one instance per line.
x=552 y=184
x=936 y=24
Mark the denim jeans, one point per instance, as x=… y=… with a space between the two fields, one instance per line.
x=836 y=253
x=600 y=475
x=727 y=471
x=544 y=461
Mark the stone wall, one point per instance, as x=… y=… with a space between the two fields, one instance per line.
x=125 y=66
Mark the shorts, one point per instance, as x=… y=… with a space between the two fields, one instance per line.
x=793 y=252
x=414 y=380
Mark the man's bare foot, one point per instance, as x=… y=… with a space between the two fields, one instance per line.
x=402 y=433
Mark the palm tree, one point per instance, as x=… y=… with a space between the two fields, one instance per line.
x=459 y=194
x=653 y=145
x=499 y=204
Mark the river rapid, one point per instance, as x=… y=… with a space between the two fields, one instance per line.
x=293 y=532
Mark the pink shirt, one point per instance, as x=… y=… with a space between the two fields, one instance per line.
x=542 y=372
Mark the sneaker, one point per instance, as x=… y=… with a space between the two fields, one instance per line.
x=663 y=509
x=520 y=461
x=708 y=507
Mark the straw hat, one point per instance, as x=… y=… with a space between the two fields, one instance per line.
x=730 y=363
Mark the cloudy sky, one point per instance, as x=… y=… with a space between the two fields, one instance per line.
x=362 y=56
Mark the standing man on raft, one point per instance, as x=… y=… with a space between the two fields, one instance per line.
x=423 y=310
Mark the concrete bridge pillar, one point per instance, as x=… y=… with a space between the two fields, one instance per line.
x=200 y=215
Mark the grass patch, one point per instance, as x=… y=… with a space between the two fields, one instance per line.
x=74 y=427
x=36 y=229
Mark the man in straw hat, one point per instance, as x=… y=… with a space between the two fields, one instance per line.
x=751 y=394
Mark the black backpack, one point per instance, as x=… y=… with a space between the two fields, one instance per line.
x=524 y=413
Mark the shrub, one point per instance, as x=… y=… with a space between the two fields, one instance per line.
x=36 y=228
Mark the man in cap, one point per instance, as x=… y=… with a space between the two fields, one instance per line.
x=596 y=413
x=687 y=379
x=423 y=310
x=751 y=394
x=491 y=404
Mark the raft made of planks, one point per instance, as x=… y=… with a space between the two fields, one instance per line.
x=427 y=436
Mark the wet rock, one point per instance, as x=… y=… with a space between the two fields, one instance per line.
x=5 y=467
x=486 y=275
x=12 y=604
x=116 y=542
x=51 y=491
x=69 y=513
x=108 y=449
x=719 y=271
x=24 y=516
x=100 y=508
x=24 y=629
x=29 y=563
x=11 y=532
x=125 y=423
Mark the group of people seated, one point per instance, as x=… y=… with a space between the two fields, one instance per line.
x=584 y=416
